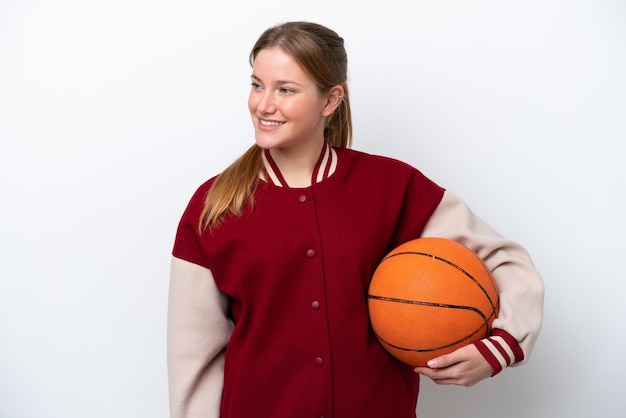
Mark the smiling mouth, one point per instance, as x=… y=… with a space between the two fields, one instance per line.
x=270 y=122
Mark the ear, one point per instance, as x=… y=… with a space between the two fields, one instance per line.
x=334 y=97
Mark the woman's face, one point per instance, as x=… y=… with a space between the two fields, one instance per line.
x=287 y=109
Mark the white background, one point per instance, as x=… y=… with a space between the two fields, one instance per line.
x=113 y=112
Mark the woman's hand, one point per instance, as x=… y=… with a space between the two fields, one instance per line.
x=464 y=366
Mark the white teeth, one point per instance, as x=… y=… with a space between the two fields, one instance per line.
x=270 y=123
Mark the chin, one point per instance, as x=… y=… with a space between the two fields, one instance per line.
x=262 y=146
x=265 y=143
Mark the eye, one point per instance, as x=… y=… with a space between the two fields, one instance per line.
x=256 y=86
x=285 y=90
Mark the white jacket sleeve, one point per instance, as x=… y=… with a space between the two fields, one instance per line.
x=198 y=330
x=521 y=288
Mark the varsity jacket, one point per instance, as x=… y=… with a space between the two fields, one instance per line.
x=268 y=312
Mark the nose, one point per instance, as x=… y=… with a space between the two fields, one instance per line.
x=266 y=103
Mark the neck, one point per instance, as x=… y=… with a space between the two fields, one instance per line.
x=296 y=166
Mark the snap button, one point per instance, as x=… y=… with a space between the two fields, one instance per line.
x=315 y=305
x=310 y=253
x=319 y=361
x=302 y=198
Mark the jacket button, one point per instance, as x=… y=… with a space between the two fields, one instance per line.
x=310 y=253
x=315 y=305
x=302 y=198
x=319 y=361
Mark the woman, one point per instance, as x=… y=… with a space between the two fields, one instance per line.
x=273 y=257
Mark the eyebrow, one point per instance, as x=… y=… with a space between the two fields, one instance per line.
x=279 y=82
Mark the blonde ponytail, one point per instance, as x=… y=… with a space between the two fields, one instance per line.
x=232 y=189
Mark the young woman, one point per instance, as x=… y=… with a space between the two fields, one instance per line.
x=273 y=257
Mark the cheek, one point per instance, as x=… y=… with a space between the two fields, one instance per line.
x=251 y=103
x=299 y=110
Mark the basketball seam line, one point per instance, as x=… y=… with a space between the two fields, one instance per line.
x=456 y=266
x=431 y=304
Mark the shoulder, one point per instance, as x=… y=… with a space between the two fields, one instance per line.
x=364 y=157
x=196 y=202
x=202 y=190
x=388 y=173
x=378 y=164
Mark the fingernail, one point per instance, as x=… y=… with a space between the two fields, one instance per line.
x=432 y=363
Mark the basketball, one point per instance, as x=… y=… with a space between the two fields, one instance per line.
x=429 y=297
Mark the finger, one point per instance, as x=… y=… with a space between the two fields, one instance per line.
x=434 y=374
x=457 y=356
x=444 y=376
x=443 y=361
x=422 y=370
x=439 y=376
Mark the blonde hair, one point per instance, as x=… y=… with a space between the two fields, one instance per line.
x=321 y=53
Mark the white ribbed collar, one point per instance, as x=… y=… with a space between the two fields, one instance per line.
x=325 y=167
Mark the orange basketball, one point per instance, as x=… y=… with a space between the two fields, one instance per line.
x=429 y=297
